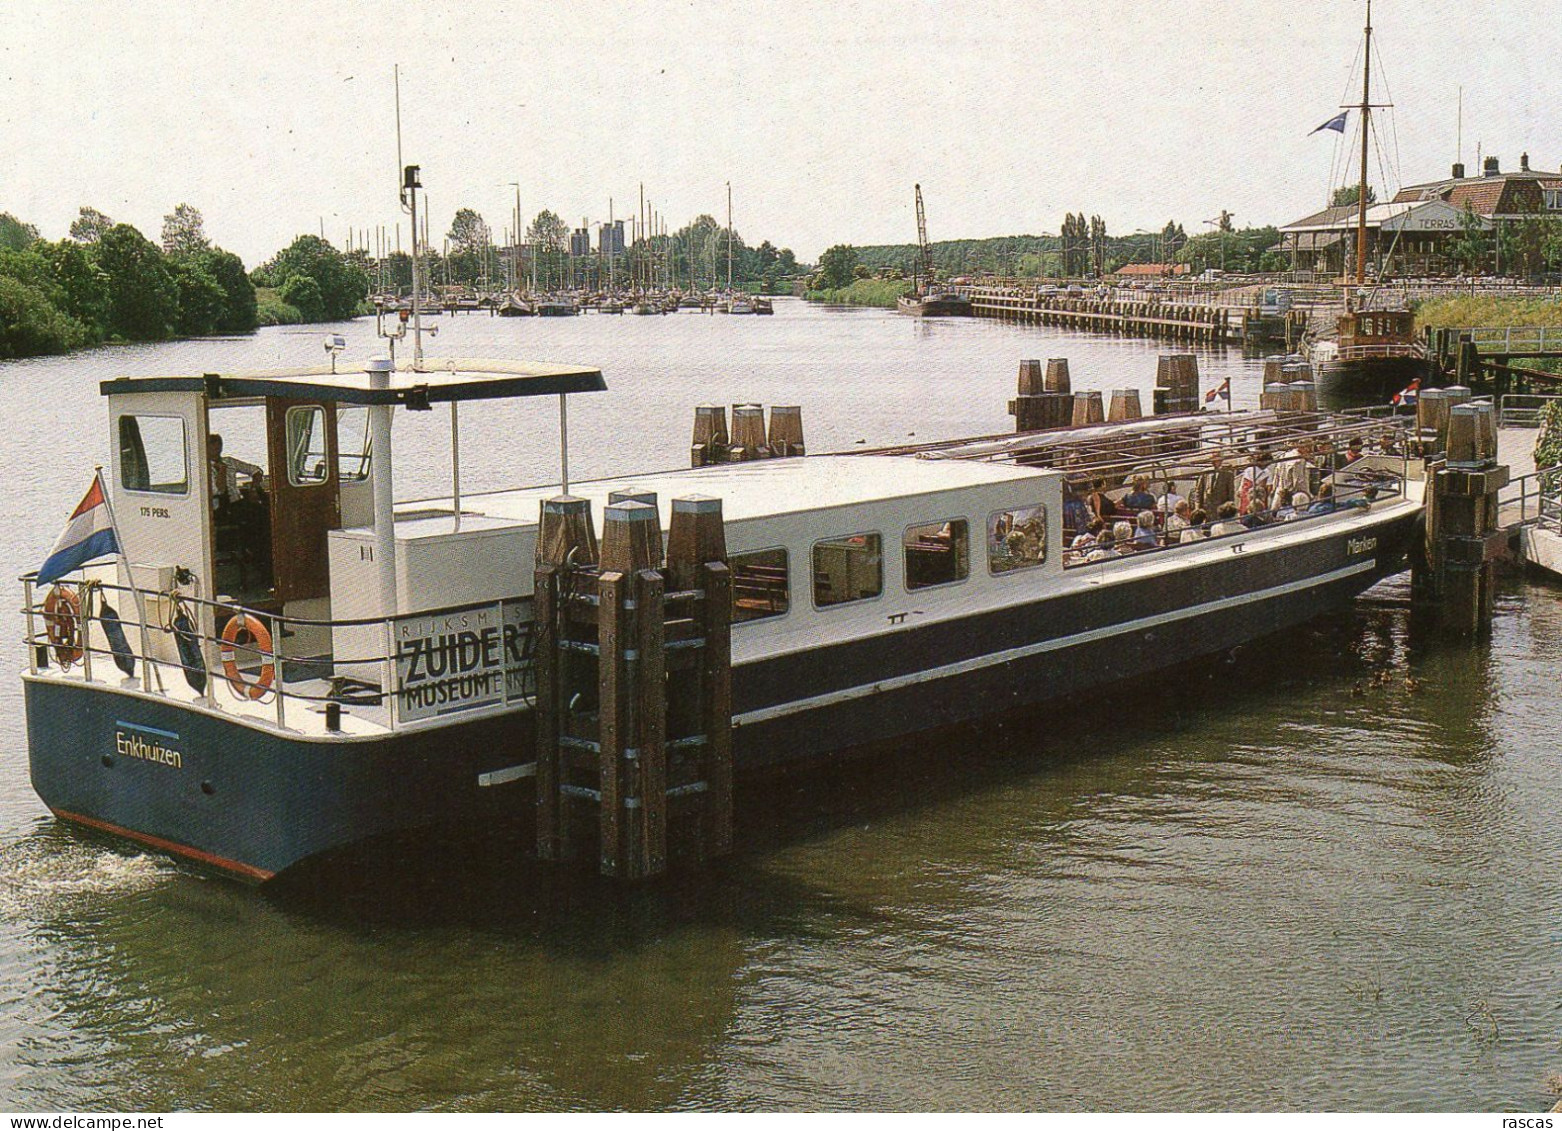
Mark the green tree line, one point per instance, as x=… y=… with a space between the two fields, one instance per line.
x=107 y=282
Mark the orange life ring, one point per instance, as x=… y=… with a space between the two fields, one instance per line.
x=256 y=638
x=62 y=624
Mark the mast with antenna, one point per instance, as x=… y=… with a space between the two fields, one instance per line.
x=729 y=237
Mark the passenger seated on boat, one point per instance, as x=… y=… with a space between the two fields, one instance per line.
x=1215 y=486
x=1362 y=501
x=1168 y=502
x=1076 y=512
x=1291 y=473
x=1145 y=537
x=1297 y=507
x=1226 y=522
x=1197 y=529
x=1139 y=499
x=1324 y=503
x=1258 y=508
x=1101 y=503
x=1105 y=548
x=1353 y=451
x=1177 y=521
x=1255 y=473
x=1123 y=537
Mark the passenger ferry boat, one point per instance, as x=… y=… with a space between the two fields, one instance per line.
x=270 y=677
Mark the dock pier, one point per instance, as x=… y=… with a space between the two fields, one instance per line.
x=1143 y=318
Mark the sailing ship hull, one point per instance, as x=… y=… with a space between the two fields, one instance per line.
x=254 y=803
x=938 y=306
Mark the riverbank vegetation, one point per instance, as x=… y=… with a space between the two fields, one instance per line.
x=1488 y=310
x=106 y=282
x=862 y=292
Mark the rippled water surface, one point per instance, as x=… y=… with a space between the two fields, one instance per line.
x=1319 y=872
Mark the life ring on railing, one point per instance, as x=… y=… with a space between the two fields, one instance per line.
x=246 y=632
x=62 y=624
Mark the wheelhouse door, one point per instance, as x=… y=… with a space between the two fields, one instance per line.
x=305 y=494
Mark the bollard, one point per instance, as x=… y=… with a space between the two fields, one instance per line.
x=1056 y=380
x=710 y=435
x=631 y=538
x=786 y=430
x=1125 y=405
x=566 y=530
x=638 y=495
x=748 y=434
x=1087 y=408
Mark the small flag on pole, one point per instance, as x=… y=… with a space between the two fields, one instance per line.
x=87 y=535
x=1221 y=390
x=1336 y=123
x=1407 y=395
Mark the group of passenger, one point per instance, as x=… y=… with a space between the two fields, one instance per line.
x=1222 y=502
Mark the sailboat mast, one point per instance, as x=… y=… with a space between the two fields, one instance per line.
x=729 y=237
x=1366 y=130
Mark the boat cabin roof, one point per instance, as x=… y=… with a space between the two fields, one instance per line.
x=444 y=379
x=766 y=487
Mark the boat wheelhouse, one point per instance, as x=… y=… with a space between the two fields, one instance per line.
x=268 y=678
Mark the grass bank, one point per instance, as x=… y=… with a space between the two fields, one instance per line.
x=864 y=292
x=1488 y=310
x=272 y=311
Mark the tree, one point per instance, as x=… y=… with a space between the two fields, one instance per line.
x=471 y=243
x=30 y=324
x=202 y=302
x=184 y=231
x=143 y=298
x=549 y=236
x=1173 y=240
x=90 y=225
x=238 y=292
x=302 y=293
x=15 y=235
x=1098 y=245
x=1350 y=194
x=82 y=283
x=837 y=266
x=343 y=285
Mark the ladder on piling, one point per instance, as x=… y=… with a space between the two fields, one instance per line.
x=634 y=684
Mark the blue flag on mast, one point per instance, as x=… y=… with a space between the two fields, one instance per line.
x=1336 y=123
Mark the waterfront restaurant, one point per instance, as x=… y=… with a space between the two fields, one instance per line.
x=1414 y=233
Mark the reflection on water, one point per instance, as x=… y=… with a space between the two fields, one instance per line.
x=1315 y=872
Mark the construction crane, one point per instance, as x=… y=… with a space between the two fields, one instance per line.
x=924 y=249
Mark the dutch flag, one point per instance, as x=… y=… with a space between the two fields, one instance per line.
x=1407 y=395
x=89 y=534
x=1221 y=390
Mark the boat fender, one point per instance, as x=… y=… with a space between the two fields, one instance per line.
x=246 y=632
x=189 y=645
x=62 y=624
x=118 y=644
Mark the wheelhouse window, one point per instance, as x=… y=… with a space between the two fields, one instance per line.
x=846 y=569
x=306 y=446
x=761 y=587
x=937 y=553
x=1017 y=538
x=352 y=443
x=154 y=455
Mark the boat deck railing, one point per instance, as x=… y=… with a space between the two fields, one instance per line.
x=225 y=656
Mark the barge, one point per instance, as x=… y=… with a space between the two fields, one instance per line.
x=271 y=673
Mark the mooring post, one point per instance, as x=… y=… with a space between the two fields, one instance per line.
x=748 y=434
x=1463 y=537
x=786 y=430
x=565 y=538
x=710 y=435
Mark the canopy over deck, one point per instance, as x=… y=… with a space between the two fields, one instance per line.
x=452 y=379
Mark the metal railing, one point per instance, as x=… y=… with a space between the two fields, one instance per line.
x=1523 y=410
x=1514 y=341
x=425 y=665
x=1537 y=498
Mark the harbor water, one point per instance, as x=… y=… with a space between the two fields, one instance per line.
x=1319 y=872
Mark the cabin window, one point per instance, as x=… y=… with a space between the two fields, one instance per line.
x=761 y=587
x=352 y=443
x=937 y=553
x=847 y=569
x=1017 y=538
x=153 y=455
x=306 y=450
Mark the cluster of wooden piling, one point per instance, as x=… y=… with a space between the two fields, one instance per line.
x=1144 y=318
x=748 y=439
x=1288 y=385
x=1045 y=399
x=634 y=685
x=1458 y=438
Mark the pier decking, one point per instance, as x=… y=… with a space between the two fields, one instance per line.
x=1144 y=318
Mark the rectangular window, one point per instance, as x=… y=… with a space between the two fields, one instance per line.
x=306 y=450
x=1554 y=200
x=352 y=443
x=937 y=553
x=154 y=455
x=1017 y=538
x=848 y=569
x=761 y=587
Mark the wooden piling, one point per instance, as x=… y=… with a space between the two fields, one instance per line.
x=748 y=434
x=1125 y=405
x=786 y=430
x=1087 y=408
x=1031 y=381
x=1463 y=537
x=710 y=435
x=565 y=535
x=1057 y=379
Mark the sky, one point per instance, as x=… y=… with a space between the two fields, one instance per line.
x=275 y=120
